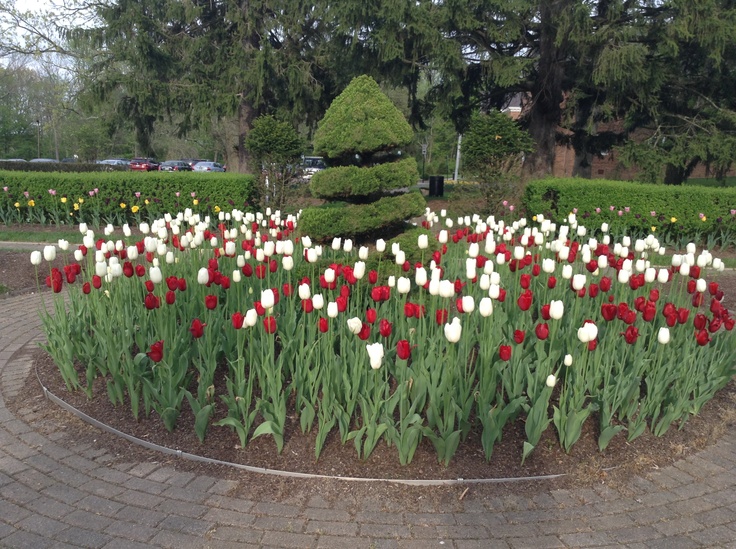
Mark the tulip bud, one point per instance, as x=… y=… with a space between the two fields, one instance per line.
x=551 y=381
x=267 y=298
x=453 y=331
x=380 y=245
x=403 y=285
x=36 y=257
x=237 y=277
x=567 y=271
x=49 y=253
x=78 y=256
x=329 y=275
x=663 y=336
x=578 y=280
x=568 y=360
x=332 y=310
x=400 y=257
x=363 y=253
x=556 y=309
x=355 y=325
x=375 y=354
x=251 y=318
x=336 y=243
x=318 y=302
x=203 y=276
x=485 y=307
x=420 y=276
x=422 y=242
x=304 y=291
x=154 y=273
x=442 y=237
x=359 y=270
x=468 y=303
x=701 y=285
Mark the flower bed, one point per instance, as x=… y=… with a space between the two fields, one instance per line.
x=493 y=324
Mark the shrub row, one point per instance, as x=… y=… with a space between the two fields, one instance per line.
x=626 y=205
x=60 y=167
x=120 y=196
x=345 y=181
x=339 y=219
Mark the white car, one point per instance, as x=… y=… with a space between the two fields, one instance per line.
x=209 y=167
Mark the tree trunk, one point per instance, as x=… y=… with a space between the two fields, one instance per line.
x=544 y=115
x=246 y=115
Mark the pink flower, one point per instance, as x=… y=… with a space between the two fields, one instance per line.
x=137 y=195
x=652 y=213
x=177 y=193
x=733 y=212
x=620 y=213
x=597 y=210
x=96 y=190
x=627 y=209
x=52 y=192
x=6 y=190
x=574 y=210
x=26 y=194
x=611 y=208
x=194 y=194
x=511 y=208
x=701 y=215
x=505 y=203
x=91 y=193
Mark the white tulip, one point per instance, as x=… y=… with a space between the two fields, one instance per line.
x=332 y=309
x=434 y=286
x=359 y=270
x=63 y=245
x=551 y=381
x=363 y=253
x=484 y=282
x=500 y=259
x=154 y=273
x=237 y=277
x=447 y=289
x=442 y=237
x=336 y=243
x=355 y=325
x=36 y=257
x=403 y=285
x=454 y=330
x=663 y=336
x=101 y=268
x=567 y=271
x=494 y=291
x=318 y=301
x=556 y=309
x=468 y=304
x=287 y=262
x=623 y=276
x=375 y=354
x=578 y=281
x=391 y=281
x=548 y=265
x=203 y=276
x=380 y=245
x=329 y=275
x=485 y=307
x=650 y=275
x=267 y=298
x=420 y=276
x=347 y=246
x=473 y=250
x=422 y=242
x=684 y=269
x=400 y=257
x=312 y=255
x=701 y=285
x=304 y=291
x=49 y=253
x=78 y=256
x=568 y=360
x=251 y=318
x=603 y=262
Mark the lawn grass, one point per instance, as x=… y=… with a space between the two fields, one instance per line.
x=51 y=236
x=710 y=182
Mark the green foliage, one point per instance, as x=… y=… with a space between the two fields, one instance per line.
x=556 y=198
x=491 y=140
x=47 y=167
x=347 y=181
x=277 y=147
x=144 y=195
x=361 y=120
x=352 y=220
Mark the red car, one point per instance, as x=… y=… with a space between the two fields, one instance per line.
x=144 y=164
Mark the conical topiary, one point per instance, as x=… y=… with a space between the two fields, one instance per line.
x=360 y=136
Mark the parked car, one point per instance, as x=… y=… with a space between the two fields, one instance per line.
x=193 y=161
x=115 y=162
x=311 y=165
x=209 y=167
x=40 y=160
x=144 y=164
x=175 y=166
x=13 y=160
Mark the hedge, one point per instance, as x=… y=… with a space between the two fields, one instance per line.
x=354 y=220
x=59 y=167
x=346 y=181
x=625 y=205
x=119 y=197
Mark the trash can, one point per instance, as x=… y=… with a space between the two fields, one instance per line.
x=436 y=185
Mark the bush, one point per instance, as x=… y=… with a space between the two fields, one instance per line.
x=347 y=181
x=626 y=205
x=60 y=167
x=361 y=120
x=347 y=220
x=118 y=197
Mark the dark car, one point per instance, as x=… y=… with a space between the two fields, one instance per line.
x=193 y=161
x=175 y=166
x=208 y=167
x=144 y=164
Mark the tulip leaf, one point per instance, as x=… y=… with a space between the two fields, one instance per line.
x=202 y=420
x=607 y=434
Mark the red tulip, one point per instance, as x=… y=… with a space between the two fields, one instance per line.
x=697 y=299
x=536 y=269
x=372 y=276
x=519 y=336
x=247 y=270
x=501 y=295
x=288 y=290
x=650 y=311
x=172 y=283
x=728 y=322
x=128 y=269
x=525 y=281
x=140 y=271
x=385 y=327
x=605 y=284
x=197 y=328
x=669 y=309
x=260 y=271
x=695 y=271
x=671 y=320
x=525 y=300
x=96 y=282
x=269 y=323
x=593 y=345
x=542 y=331
x=682 y=315
x=322 y=324
x=371 y=315
x=631 y=335
x=170 y=297
x=342 y=303
x=237 y=320
x=260 y=310
x=545 y=311
x=702 y=337
x=365 y=331
x=307 y=305
x=691 y=286
x=504 y=352
x=551 y=282
x=700 y=321
x=653 y=294
x=608 y=311
x=157 y=351
x=441 y=316
x=151 y=302
x=210 y=301
x=403 y=349
x=713 y=288
x=629 y=316
x=273 y=265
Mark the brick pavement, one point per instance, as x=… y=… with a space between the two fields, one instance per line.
x=58 y=492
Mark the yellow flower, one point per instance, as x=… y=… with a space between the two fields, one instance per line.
x=31 y=203
x=63 y=199
x=146 y=202
x=673 y=219
x=498 y=137
x=703 y=218
x=122 y=205
x=134 y=209
x=195 y=201
x=654 y=228
x=71 y=213
x=534 y=218
x=17 y=204
x=217 y=209
x=76 y=207
x=81 y=200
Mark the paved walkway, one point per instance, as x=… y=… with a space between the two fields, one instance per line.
x=56 y=491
